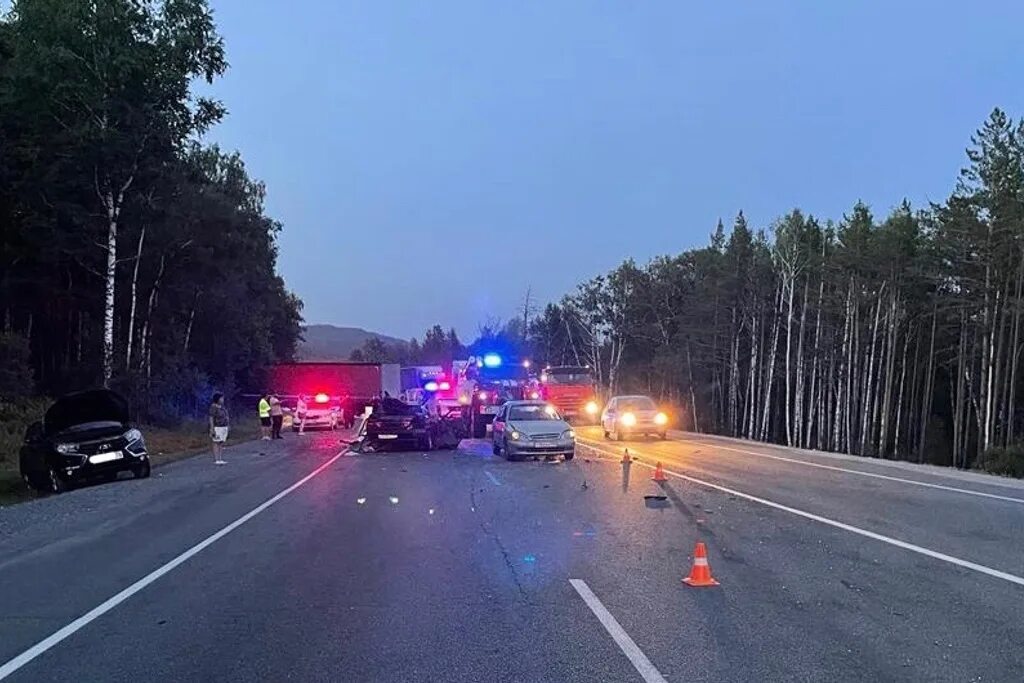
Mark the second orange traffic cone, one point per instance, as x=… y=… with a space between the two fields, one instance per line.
x=659 y=473
x=700 y=575
x=625 y=457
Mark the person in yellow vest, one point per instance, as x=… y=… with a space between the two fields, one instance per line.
x=264 y=412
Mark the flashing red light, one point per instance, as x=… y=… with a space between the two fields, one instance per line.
x=321 y=398
x=483 y=395
x=445 y=386
x=534 y=395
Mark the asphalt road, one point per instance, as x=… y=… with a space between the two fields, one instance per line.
x=295 y=563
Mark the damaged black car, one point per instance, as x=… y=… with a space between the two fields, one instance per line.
x=83 y=436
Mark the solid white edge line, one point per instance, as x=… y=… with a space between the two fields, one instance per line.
x=53 y=639
x=637 y=658
x=873 y=475
x=966 y=564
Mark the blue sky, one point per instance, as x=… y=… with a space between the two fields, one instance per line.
x=432 y=160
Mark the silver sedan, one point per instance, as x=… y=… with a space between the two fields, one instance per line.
x=531 y=428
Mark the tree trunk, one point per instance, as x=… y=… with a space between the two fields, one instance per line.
x=769 y=369
x=752 y=376
x=191 y=319
x=890 y=365
x=868 y=384
x=1014 y=353
x=693 y=397
x=131 y=310
x=789 y=344
x=814 y=369
x=929 y=384
x=798 y=407
x=110 y=286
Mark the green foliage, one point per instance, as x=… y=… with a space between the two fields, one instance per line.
x=15 y=416
x=1006 y=461
x=98 y=128
x=15 y=367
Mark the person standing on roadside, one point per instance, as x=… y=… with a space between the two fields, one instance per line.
x=219 y=423
x=264 y=412
x=300 y=412
x=276 y=416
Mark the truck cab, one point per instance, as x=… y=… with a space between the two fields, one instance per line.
x=573 y=391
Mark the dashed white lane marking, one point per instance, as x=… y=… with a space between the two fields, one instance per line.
x=494 y=479
x=50 y=641
x=873 y=475
x=629 y=648
x=967 y=564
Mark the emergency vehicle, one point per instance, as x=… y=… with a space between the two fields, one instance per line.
x=485 y=384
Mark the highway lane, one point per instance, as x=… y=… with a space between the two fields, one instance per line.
x=456 y=566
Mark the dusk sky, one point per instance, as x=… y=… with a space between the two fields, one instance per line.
x=430 y=161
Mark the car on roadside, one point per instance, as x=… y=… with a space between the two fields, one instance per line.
x=83 y=436
x=316 y=412
x=633 y=416
x=531 y=428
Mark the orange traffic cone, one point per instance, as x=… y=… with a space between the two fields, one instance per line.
x=700 y=575
x=659 y=473
x=625 y=457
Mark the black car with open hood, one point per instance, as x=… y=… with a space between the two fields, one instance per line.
x=84 y=435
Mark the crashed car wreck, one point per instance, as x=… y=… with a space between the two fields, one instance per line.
x=395 y=425
x=84 y=435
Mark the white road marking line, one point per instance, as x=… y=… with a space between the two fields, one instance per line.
x=494 y=479
x=636 y=656
x=53 y=639
x=967 y=564
x=873 y=475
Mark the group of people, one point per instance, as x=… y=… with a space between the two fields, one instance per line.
x=271 y=414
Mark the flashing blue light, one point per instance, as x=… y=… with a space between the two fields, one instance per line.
x=492 y=360
x=430 y=386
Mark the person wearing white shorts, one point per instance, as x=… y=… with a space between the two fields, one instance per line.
x=219 y=427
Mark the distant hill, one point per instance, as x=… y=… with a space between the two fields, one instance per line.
x=328 y=342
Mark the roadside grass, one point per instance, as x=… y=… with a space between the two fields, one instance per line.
x=165 y=445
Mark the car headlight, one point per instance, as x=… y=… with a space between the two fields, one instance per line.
x=661 y=419
x=568 y=434
x=133 y=435
x=628 y=419
x=591 y=408
x=67 y=448
x=514 y=434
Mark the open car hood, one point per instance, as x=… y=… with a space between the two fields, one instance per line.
x=97 y=405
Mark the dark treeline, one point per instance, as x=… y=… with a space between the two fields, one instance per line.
x=130 y=255
x=895 y=336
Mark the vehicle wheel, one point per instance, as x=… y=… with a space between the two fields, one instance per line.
x=56 y=484
x=617 y=436
x=663 y=435
x=570 y=455
x=606 y=434
x=142 y=471
x=495 y=449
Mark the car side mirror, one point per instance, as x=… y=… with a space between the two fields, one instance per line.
x=34 y=432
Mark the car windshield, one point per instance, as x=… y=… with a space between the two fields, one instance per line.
x=533 y=412
x=556 y=376
x=637 y=403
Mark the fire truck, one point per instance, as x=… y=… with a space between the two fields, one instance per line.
x=485 y=384
x=573 y=391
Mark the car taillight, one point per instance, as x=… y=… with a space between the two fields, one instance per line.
x=322 y=398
